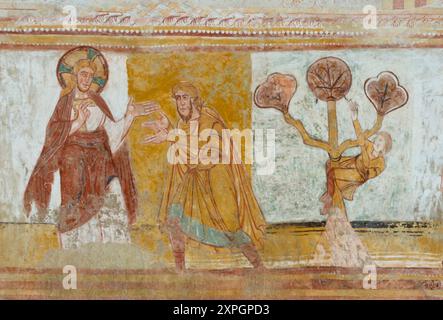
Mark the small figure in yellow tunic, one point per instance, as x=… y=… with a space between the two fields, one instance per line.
x=346 y=175
x=211 y=203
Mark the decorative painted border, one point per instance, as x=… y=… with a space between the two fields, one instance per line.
x=294 y=283
x=393 y=19
x=246 y=32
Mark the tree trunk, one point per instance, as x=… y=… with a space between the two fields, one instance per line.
x=333 y=129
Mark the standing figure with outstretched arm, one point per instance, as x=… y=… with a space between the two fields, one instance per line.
x=87 y=146
x=351 y=172
x=209 y=202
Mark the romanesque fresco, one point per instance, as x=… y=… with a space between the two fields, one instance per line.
x=256 y=150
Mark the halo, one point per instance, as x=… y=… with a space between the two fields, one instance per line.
x=65 y=67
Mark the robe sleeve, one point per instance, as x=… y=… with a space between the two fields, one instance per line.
x=364 y=144
x=117 y=131
x=359 y=133
x=38 y=189
x=357 y=128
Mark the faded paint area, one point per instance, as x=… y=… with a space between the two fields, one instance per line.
x=285 y=247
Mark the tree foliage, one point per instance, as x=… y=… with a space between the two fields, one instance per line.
x=385 y=93
x=329 y=78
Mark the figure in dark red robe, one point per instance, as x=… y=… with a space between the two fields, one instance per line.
x=87 y=146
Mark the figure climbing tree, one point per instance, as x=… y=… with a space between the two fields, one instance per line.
x=330 y=80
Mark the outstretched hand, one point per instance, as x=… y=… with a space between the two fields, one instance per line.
x=353 y=107
x=159 y=137
x=142 y=108
x=159 y=124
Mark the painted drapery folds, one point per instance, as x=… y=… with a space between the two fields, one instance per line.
x=263 y=150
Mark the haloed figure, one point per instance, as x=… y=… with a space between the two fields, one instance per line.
x=87 y=146
x=213 y=204
x=351 y=172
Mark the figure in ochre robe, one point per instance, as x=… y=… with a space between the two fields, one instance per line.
x=351 y=172
x=211 y=203
x=343 y=178
x=86 y=145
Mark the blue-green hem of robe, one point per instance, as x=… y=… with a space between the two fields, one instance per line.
x=207 y=235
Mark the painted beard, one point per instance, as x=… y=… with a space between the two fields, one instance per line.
x=189 y=116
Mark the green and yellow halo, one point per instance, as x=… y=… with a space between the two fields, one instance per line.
x=65 y=67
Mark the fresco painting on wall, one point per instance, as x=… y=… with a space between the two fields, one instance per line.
x=330 y=80
x=154 y=140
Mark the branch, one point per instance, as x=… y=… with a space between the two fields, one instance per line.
x=307 y=139
x=350 y=143
x=376 y=127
